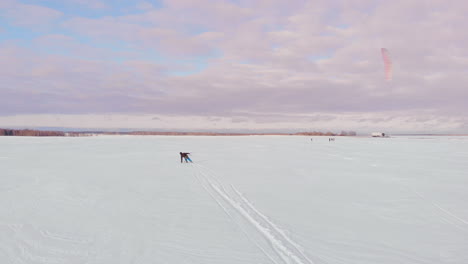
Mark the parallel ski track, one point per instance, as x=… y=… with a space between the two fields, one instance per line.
x=283 y=247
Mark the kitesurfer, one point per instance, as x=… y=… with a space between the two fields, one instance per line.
x=184 y=156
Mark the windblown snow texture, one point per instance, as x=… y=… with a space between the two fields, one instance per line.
x=259 y=199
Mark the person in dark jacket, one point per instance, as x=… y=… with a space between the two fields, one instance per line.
x=184 y=156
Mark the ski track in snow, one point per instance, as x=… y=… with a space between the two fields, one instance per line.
x=446 y=216
x=233 y=219
x=282 y=246
x=281 y=232
x=440 y=208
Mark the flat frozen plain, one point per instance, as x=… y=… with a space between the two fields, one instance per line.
x=252 y=199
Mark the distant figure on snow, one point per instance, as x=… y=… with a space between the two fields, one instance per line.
x=184 y=156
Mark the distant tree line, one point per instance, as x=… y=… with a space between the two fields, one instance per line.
x=347 y=133
x=40 y=133
x=30 y=133
x=330 y=134
x=155 y=133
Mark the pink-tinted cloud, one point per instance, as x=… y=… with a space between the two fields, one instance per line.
x=31 y=15
x=274 y=62
x=90 y=3
x=362 y=122
x=8 y=3
x=145 y=5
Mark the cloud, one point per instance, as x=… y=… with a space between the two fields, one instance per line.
x=362 y=122
x=70 y=46
x=31 y=15
x=163 y=40
x=90 y=3
x=8 y=3
x=48 y=83
x=145 y=5
x=250 y=63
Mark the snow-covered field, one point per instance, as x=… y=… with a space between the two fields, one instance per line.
x=256 y=199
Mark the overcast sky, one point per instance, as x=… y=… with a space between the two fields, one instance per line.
x=235 y=64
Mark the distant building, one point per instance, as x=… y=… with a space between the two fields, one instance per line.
x=378 y=134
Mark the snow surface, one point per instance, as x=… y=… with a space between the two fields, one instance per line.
x=255 y=199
